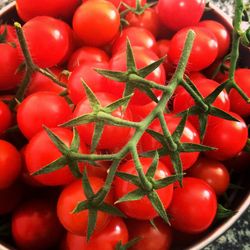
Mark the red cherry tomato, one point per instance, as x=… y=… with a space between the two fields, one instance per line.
x=107 y=239
x=5 y=117
x=203 y=53
x=37 y=110
x=193 y=207
x=10 y=164
x=41 y=151
x=10 y=33
x=86 y=131
x=189 y=135
x=229 y=137
x=177 y=14
x=159 y=238
x=141 y=209
x=96 y=22
x=71 y=195
x=35 y=225
x=213 y=172
x=143 y=57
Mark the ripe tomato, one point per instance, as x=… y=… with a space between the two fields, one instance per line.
x=41 y=151
x=213 y=172
x=177 y=14
x=86 y=131
x=193 y=207
x=85 y=55
x=35 y=225
x=5 y=117
x=94 y=80
x=149 y=20
x=159 y=238
x=238 y=104
x=141 y=209
x=221 y=33
x=37 y=110
x=229 y=137
x=10 y=32
x=139 y=37
x=71 y=195
x=96 y=22
x=42 y=31
x=9 y=63
x=28 y=9
x=10 y=164
x=143 y=57
x=203 y=53
x=107 y=239
x=189 y=135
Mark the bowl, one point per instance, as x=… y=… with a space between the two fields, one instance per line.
x=241 y=199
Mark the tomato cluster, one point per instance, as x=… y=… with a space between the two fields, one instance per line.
x=76 y=86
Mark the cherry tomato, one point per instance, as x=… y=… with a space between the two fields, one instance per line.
x=85 y=55
x=10 y=33
x=94 y=80
x=37 y=110
x=71 y=195
x=239 y=163
x=229 y=137
x=221 y=33
x=193 y=207
x=189 y=135
x=177 y=14
x=148 y=19
x=139 y=37
x=141 y=209
x=107 y=239
x=238 y=104
x=143 y=57
x=96 y=22
x=159 y=238
x=41 y=151
x=213 y=172
x=10 y=164
x=5 y=117
x=28 y=9
x=203 y=53
x=86 y=130
x=35 y=225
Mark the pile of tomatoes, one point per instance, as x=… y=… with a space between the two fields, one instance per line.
x=72 y=39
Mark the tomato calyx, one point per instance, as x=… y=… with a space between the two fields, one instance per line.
x=128 y=245
x=223 y=212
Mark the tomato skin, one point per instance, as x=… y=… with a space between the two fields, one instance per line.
x=141 y=209
x=68 y=200
x=221 y=33
x=106 y=239
x=148 y=20
x=143 y=57
x=138 y=37
x=41 y=151
x=94 y=80
x=90 y=29
x=5 y=117
x=28 y=9
x=87 y=54
x=86 y=131
x=11 y=33
x=43 y=30
x=189 y=135
x=193 y=207
x=10 y=164
x=222 y=133
x=175 y=14
x=35 y=225
x=9 y=63
x=238 y=104
x=213 y=172
x=37 y=109
x=150 y=237
x=203 y=53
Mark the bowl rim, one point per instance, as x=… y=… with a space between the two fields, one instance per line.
x=242 y=207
